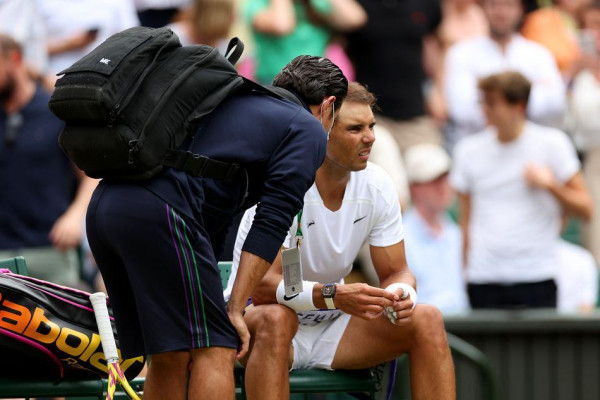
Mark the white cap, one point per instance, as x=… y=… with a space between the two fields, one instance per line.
x=426 y=162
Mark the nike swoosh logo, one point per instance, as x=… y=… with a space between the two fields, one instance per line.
x=360 y=219
x=291 y=297
x=311 y=223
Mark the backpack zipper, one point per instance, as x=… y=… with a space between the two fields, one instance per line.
x=133 y=148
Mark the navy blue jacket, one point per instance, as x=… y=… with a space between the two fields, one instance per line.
x=280 y=145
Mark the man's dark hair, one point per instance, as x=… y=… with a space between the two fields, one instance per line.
x=515 y=88
x=313 y=78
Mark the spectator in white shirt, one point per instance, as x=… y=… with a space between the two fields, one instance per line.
x=503 y=49
x=515 y=179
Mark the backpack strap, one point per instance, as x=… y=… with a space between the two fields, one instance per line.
x=204 y=167
x=273 y=91
x=235 y=48
x=201 y=166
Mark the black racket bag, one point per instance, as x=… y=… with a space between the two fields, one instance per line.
x=49 y=331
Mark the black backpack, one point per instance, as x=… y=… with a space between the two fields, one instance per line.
x=131 y=103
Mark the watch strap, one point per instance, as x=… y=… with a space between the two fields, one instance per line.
x=329 y=303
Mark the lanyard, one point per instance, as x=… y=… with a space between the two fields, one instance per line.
x=299 y=236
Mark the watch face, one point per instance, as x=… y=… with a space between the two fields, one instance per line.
x=329 y=290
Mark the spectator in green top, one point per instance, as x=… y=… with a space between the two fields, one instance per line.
x=284 y=29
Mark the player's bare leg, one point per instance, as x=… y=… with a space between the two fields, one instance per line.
x=211 y=377
x=167 y=376
x=423 y=339
x=272 y=328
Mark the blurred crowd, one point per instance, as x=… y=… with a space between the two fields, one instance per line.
x=439 y=128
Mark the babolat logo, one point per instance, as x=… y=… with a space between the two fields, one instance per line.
x=81 y=346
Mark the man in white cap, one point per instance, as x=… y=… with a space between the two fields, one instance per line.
x=434 y=249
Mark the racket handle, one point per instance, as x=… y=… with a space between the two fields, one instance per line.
x=104 y=327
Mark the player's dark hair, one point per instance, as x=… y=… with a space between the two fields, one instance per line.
x=313 y=78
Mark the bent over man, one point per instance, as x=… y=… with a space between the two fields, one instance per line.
x=325 y=325
x=156 y=241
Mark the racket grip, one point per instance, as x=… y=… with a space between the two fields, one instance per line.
x=104 y=327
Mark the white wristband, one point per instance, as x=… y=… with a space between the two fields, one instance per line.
x=408 y=291
x=302 y=301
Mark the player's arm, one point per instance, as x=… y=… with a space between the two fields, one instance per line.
x=358 y=299
x=67 y=231
x=395 y=276
x=390 y=265
x=250 y=271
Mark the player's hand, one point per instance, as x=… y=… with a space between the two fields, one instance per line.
x=362 y=300
x=400 y=313
x=67 y=231
x=237 y=320
x=539 y=176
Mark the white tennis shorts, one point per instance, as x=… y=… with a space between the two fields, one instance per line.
x=315 y=345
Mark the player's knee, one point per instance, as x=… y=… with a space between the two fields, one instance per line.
x=429 y=326
x=278 y=325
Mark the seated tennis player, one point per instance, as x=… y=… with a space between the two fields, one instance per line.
x=321 y=322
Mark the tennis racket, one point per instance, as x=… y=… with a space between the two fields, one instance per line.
x=115 y=373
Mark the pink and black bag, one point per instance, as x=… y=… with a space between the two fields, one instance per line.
x=49 y=331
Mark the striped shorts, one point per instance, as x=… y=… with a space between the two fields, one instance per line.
x=160 y=273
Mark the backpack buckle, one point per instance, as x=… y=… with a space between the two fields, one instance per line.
x=195 y=164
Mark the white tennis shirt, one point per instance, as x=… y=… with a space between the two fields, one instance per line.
x=370 y=211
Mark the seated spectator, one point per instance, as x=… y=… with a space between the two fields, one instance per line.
x=283 y=29
x=577 y=279
x=41 y=217
x=206 y=22
x=515 y=180
x=326 y=324
x=585 y=120
x=504 y=49
x=433 y=240
x=556 y=29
